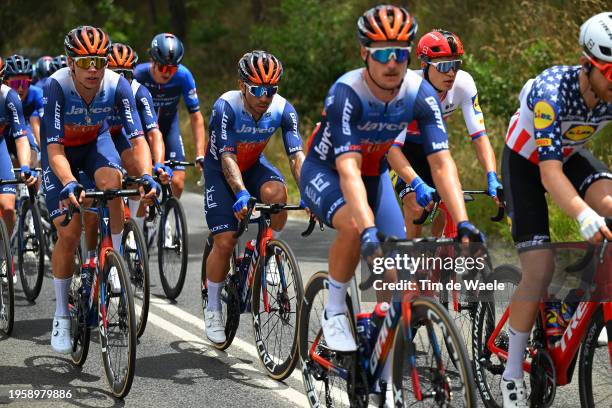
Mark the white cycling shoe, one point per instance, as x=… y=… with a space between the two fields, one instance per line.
x=513 y=392
x=215 y=328
x=60 y=335
x=337 y=333
x=272 y=275
x=602 y=340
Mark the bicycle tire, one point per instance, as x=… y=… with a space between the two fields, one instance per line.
x=230 y=299
x=119 y=388
x=7 y=289
x=172 y=287
x=37 y=246
x=277 y=367
x=137 y=261
x=588 y=349
x=79 y=329
x=429 y=312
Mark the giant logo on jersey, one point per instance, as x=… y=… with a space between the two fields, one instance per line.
x=543 y=115
x=579 y=132
x=476 y=105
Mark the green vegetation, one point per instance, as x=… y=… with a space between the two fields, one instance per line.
x=506 y=43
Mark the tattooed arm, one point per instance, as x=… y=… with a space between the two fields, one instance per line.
x=231 y=172
x=295 y=162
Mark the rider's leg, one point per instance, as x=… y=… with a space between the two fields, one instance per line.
x=178 y=183
x=62 y=260
x=275 y=192
x=217 y=266
x=599 y=197
x=107 y=178
x=412 y=211
x=7 y=207
x=129 y=163
x=438 y=224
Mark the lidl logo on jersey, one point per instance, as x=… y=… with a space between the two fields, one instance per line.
x=543 y=142
x=476 y=105
x=543 y=115
x=579 y=132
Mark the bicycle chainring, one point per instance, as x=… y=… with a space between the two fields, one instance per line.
x=543 y=379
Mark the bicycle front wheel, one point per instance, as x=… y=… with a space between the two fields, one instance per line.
x=431 y=366
x=137 y=260
x=31 y=250
x=277 y=294
x=79 y=311
x=117 y=324
x=594 y=374
x=172 y=248
x=7 y=291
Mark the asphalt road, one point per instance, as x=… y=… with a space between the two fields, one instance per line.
x=176 y=367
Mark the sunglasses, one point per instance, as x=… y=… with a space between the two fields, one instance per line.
x=126 y=73
x=606 y=69
x=93 y=61
x=260 y=90
x=446 y=66
x=384 y=55
x=19 y=83
x=166 y=69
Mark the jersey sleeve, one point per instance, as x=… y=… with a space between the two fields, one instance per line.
x=144 y=104
x=38 y=103
x=126 y=106
x=343 y=110
x=472 y=114
x=291 y=133
x=547 y=104
x=428 y=114
x=221 y=124
x=190 y=93
x=17 y=121
x=53 y=118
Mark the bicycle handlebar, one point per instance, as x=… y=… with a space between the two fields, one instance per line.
x=31 y=189
x=252 y=205
x=104 y=195
x=175 y=163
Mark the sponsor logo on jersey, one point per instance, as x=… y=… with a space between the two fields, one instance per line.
x=81 y=111
x=346 y=117
x=224 y=119
x=127 y=110
x=579 y=132
x=476 y=105
x=543 y=142
x=147 y=107
x=439 y=145
x=193 y=94
x=13 y=109
x=380 y=126
x=543 y=115
x=294 y=122
x=253 y=129
x=324 y=144
x=433 y=104
x=212 y=143
x=56 y=117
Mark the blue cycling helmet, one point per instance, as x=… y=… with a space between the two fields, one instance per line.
x=18 y=65
x=167 y=49
x=44 y=67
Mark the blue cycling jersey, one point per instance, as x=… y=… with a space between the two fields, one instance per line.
x=144 y=106
x=68 y=120
x=12 y=122
x=233 y=129
x=166 y=96
x=33 y=103
x=356 y=121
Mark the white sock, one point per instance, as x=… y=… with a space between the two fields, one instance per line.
x=117 y=241
x=516 y=353
x=385 y=375
x=140 y=222
x=133 y=205
x=214 y=288
x=62 y=286
x=91 y=254
x=337 y=297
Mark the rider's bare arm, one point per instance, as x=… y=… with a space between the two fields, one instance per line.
x=295 y=163
x=23 y=151
x=35 y=125
x=142 y=152
x=231 y=172
x=560 y=188
x=59 y=163
x=156 y=141
x=353 y=189
x=485 y=154
x=400 y=164
x=446 y=180
x=197 y=130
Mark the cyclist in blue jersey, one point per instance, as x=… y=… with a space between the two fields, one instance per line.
x=167 y=80
x=75 y=137
x=560 y=111
x=12 y=123
x=42 y=71
x=122 y=59
x=241 y=124
x=364 y=111
x=18 y=76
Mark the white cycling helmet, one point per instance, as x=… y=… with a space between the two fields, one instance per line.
x=596 y=36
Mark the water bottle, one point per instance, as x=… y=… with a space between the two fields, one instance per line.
x=85 y=281
x=555 y=323
x=244 y=268
x=376 y=321
x=364 y=326
x=92 y=319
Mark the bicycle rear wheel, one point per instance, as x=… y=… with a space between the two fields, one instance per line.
x=275 y=330
x=172 y=248
x=78 y=306
x=137 y=260
x=7 y=290
x=230 y=300
x=594 y=374
x=117 y=326
x=434 y=357
x=31 y=253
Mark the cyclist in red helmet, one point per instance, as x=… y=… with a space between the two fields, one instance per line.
x=440 y=53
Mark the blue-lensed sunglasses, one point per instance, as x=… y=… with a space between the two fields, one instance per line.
x=446 y=66
x=260 y=90
x=384 y=55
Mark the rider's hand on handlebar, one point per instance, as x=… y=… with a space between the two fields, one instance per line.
x=240 y=206
x=149 y=189
x=424 y=193
x=164 y=172
x=370 y=245
x=593 y=227
x=200 y=161
x=493 y=185
x=68 y=195
x=467 y=232
x=27 y=175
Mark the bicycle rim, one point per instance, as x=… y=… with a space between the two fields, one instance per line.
x=595 y=374
x=137 y=261
x=172 y=248
x=80 y=332
x=7 y=291
x=31 y=255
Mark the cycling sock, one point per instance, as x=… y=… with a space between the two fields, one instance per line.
x=140 y=222
x=214 y=303
x=385 y=375
x=516 y=351
x=91 y=254
x=117 y=241
x=133 y=206
x=337 y=297
x=62 y=286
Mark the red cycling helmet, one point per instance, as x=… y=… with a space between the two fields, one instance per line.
x=121 y=56
x=87 y=41
x=386 y=23
x=439 y=44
